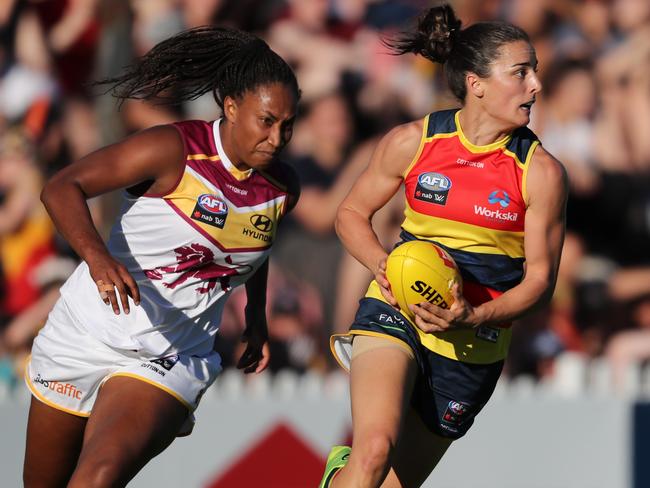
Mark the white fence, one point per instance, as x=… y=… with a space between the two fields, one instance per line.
x=569 y=432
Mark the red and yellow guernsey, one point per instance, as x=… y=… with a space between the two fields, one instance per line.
x=472 y=201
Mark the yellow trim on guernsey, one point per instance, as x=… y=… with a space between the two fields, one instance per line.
x=49 y=403
x=463 y=236
x=524 y=176
x=473 y=147
x=203 y=156
x=153 y=383
x=423 y=140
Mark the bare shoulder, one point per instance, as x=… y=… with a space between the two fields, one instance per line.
x=546 y=173
x=399 y=146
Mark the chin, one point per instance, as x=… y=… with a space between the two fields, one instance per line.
x=261 y=162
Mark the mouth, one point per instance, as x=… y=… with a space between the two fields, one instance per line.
x=528 y=105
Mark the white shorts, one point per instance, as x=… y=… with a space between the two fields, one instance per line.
x=68 y=367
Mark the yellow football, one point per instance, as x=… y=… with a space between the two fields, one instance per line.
x=420 y=271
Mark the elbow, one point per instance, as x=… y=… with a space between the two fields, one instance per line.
x=46 y=194
x=546 y=289
x=339 y=221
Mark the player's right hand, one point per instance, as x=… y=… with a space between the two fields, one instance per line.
x=113 y=279
x=384 y=285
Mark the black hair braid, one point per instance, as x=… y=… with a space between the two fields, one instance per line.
x=224 y=61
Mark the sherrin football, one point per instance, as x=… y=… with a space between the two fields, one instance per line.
x=420 y=271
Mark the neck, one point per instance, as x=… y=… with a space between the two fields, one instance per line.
x=480 y=128
x=225 y=132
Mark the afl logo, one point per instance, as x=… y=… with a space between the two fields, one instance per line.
x=213 y=204
x=262 y=222
x=434 y=181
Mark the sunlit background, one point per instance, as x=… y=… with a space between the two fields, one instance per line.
x=570 y=410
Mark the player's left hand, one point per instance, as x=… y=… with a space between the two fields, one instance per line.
x=432 y=318
x=257 y=354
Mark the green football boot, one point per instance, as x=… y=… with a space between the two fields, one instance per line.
x=337 y=458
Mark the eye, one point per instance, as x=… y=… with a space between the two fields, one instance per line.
x=267 y=121
x=521 y=73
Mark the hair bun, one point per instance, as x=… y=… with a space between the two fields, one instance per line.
x=434 y=37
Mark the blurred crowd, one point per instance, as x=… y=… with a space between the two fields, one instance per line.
x=593 y=115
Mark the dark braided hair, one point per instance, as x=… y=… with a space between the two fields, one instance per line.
x=439 y=38
x=224 y=61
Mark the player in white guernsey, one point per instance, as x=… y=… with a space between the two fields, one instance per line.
x=127 y=351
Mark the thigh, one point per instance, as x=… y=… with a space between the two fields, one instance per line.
x=132 y=421
x=54 y=440
x=417 y=454
x=381 y=382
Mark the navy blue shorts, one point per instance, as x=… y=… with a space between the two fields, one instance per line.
x=448 y=394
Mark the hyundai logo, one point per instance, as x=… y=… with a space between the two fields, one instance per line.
x=262 y=222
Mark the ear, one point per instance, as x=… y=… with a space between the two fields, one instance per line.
x=474 y=84
x=230 y=109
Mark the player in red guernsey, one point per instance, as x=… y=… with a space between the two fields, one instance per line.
x=127 y=352
x=478 y=183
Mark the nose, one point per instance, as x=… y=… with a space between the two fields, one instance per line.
x=535 y=83
x=275 y=136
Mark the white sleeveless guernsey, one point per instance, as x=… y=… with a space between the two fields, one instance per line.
x=186 y=249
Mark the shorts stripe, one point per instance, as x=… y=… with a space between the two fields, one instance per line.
x=153 y=383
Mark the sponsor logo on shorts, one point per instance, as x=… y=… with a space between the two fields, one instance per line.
x=429 y=293
x=390 y=319
x=389 y=322
x=153 y=368
x=488 y=333
x=211 y=210
x=454 y=415
x=432 y=188
x=65 y=389
x=166 y=362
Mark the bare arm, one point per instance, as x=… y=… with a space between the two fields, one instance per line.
x=543 y=238
x=154 y=155
x=372 y=190
x=256 y=356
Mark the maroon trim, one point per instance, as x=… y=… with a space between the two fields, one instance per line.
x=209 y=237
x=258 y=189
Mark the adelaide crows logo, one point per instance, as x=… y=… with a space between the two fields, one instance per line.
x=262 y=222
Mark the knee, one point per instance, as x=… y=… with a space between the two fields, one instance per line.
x=100 y=472
x=373 y=454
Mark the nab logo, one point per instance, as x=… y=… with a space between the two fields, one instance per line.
x=500 y=197
x=434 y=181
x=212 y=204
x=262 y=223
